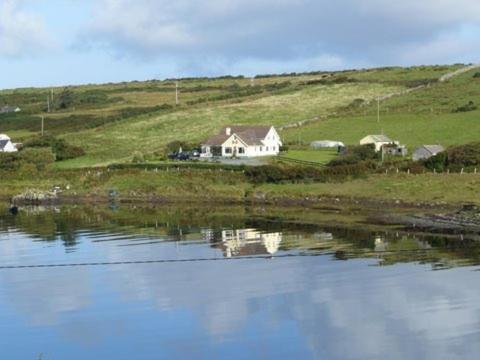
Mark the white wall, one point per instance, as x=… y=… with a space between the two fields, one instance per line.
x=9 y=148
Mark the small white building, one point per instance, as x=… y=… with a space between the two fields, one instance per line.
x=327 y=144
x=6 y=144
x=243 y=142
x=377 y=140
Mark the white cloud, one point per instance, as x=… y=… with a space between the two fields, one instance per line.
x=273 y=30
x=21 y=33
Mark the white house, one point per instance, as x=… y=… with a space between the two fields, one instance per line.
x=6 y=144
x=243 y=141
x=377 y=140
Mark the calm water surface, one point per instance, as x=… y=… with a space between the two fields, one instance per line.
x=126 y=283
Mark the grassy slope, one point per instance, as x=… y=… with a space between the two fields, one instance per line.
x=452 y=188
x=232 y=187
x=316 y=156
x=116 y=142
x=422 y=117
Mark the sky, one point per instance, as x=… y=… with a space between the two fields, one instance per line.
x=63 y=42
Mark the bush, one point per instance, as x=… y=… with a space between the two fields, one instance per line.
x=476 y=75
x=138 y=157
x=464 y=155
x=470 y=106
x=40 y=157
x=61 y=149
x=279 y=174
x=8 y=161
x=355 y=154
x=438 y=162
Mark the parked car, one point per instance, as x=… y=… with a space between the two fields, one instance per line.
x=182 y=156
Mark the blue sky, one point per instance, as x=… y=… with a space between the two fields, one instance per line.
x=59 y=42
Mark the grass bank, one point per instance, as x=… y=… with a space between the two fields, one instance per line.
x=198 y=185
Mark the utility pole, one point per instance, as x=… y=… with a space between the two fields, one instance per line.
x=177 y=100
x=378 y=109
x=48 y=103
x=43 y=120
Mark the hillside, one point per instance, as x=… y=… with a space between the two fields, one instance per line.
x=112 y=121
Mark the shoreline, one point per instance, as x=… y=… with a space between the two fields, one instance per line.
x=333 y=202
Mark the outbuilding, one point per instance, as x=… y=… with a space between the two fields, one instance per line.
x=327 y=144
x=377 y=140
x=425 y=152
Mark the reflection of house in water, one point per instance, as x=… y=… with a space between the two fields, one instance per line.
x=243 y=242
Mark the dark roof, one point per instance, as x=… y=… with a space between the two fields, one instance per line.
x=3 y=143
x=217 y=140
x=251 y=135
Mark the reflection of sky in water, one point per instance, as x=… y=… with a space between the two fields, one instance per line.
x=308 y=307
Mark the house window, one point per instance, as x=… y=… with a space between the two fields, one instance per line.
x=267 y=148
x=274 y=148
x=228 y=150
x=261 y=148
x=241 y=150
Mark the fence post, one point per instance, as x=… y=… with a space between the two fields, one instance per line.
x=408 y=171
x=461 y=172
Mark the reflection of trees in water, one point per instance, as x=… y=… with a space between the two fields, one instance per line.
x=252 y=234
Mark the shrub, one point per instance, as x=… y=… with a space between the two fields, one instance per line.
x=40 y=157
x=355 y=154
x=464 y=155
x=61 y=149
x=476 y=75
x=438 y=162
x=138 y=157
x=470 y=106
x=8 y=161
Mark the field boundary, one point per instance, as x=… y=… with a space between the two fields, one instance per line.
x=302 y=162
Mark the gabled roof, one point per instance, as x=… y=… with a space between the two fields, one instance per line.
x=433 y=149
x=3 y=143
x=251 y=135
x=379 y=138
x=217 y=140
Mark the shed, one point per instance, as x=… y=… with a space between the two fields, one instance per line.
x=326 y=144
x=425 y=152
x=377 y=140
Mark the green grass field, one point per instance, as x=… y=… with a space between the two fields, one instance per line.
x=423 y=117
x=314 y=156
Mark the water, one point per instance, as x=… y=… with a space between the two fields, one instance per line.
x=162 y=283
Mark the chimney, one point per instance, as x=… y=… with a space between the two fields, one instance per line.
x=228 y=131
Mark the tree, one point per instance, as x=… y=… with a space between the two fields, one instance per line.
x=65 y=99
